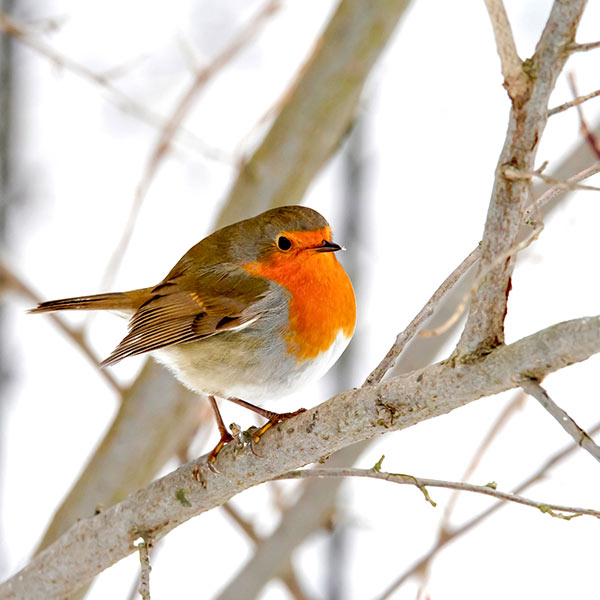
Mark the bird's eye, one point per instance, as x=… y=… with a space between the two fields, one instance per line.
x=283 y=243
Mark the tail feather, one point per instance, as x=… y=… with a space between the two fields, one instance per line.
x=111 y=301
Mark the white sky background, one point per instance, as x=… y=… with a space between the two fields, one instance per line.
x=436 y=121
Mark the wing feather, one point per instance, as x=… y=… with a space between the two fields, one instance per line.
x=184 y=309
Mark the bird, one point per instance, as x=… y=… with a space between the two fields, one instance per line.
x=251 y=313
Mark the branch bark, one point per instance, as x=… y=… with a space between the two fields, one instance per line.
x=126 y=460
x=533 y=388
x=560 y=511
x=310 y=126
x=448 y=534
x=529 y=112
x=93 y=544
x=516 y=81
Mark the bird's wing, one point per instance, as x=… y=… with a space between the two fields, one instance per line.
x=185 y=308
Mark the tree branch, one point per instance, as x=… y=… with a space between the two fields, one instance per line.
x=529 y=112
x=563 y=419
x=575 y=102
x=93 y=544
x=174 y=122
x=344 y=54
x=584 y=47
x=10 y=279
x=12 y=27
x=405 y=336
x=516 y=81
x=145 y=568
x=317 y=114
x=154 y=416
x=447 y=535
x=554 y=510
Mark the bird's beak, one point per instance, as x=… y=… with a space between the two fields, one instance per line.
x=327 y=246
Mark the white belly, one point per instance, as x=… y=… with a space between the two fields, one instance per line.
x=227 y=377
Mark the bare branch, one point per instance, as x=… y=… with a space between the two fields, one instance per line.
x=485 y=324
x=589 y=135
x=583 y=47
x=558 y=188
x=318 y=112
x=566 y=422
x=575 y=102
x=19 y=31
x=554 y=510
x=10 y=279
x=93 y=544
x=288 y=573
x=173 y=124
x=516 y=81
x=515 y=174
x=125 y=460
x=449 y=535
x=499 y=424
x=405 y=336
x=144 y=550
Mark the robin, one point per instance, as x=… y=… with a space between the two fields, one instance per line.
x=251 y=312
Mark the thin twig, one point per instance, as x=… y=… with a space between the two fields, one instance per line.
x=514 y=174
x=484 y=328
x=241 y=522
x=288 y=575
x=583 y=47
x=76 y=336
x=554 y=510
x=588 y=134
x=19 y=31
x=566 y=422
x=349 y=417
x=172 y=125
x=449 y=535
x=575 y=102
x=558 y=187
x=515 y=79
x=405 y=336
x=462 y=305
x=496 y=428
x=143 y=548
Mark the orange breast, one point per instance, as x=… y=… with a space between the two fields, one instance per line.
x=322 y=302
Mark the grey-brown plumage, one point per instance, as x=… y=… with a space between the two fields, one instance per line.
x=206 y=293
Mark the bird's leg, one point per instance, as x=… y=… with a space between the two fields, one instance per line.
x=272 y=417
x=225 y=435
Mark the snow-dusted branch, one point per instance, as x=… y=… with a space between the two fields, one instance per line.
x=93 y=544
